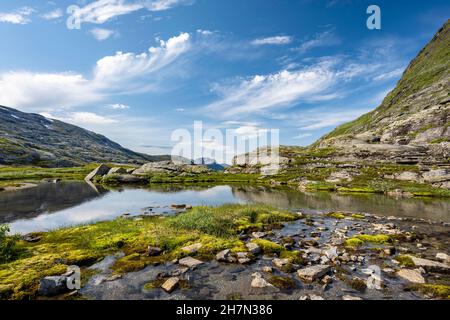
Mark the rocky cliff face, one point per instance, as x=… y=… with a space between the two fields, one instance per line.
x=413 y=122
x=27 y=138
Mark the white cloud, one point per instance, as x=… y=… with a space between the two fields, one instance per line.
x=277 y=40
x=263 y=92
x=35 y=91
x=119 y=106
x=323 y=118
x=19 y=16
x=80 y=118
x=323 y=39
x=389 y=75
x=102 y=34
x=101 y=11
x=52 y=15
x=180 y=109
x=112 y=75
x=302 y=135
x=124 y=66
x=88 y=118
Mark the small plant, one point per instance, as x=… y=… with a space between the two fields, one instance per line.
x=8 y=248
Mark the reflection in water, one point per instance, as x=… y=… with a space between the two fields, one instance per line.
x=50 y=206
x=427 y=208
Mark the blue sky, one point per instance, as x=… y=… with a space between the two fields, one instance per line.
x=138 y=69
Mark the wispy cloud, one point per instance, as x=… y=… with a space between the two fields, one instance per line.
x=102 y=34
x=389 y=75
x=19 y=16
x=112 y=75
x=119 y=106
x=101 y=11
x=263 y=92
x=323 y=39
x=52 y=15
x=81 y=118
x=277 y=40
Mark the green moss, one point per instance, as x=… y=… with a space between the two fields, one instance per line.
x=293 y=256
x=358 y=216
x=356 y=190
x=405 y=261
x=435 y=290
x=282 y=282
x=84 y=245
x=336 y=215
x=359 y=240
x=268 y=246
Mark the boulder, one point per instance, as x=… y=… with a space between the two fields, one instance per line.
x=117 y=170
x=190 y=262
x=100 y=171
x=153 y=251
x=279 y=263
x=253 y=248
x=225 y=256
x=310 y=274
x=259 y=234
x=168 y=167
x=259 y=282
x=413 y=276
x=443 y=257
x=170 y=284
x=243 y=257
x=52 y=286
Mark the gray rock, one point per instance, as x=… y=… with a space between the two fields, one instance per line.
x=100 y=171
x=259 y=234
x=153 y=251
x=190 y=262
x=279 y=263
x=259 y=282
x=312 y=273
x=445 y=258
x=253 y=248
x=413 y=276
x=117 y=170
x=168 y=167
x=52 y=286
x=170 y=284
x=225 y=256
x=430 y=265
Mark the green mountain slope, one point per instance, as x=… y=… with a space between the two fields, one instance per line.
x=416 y=112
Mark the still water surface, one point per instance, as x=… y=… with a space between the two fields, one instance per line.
x=51 y=206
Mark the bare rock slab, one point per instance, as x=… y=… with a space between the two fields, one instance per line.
x=190 y=262
x=430 y=265
x=413 y=276
x=310 y=274
x=171 y=284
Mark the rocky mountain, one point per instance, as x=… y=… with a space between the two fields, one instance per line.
x=413 y=121
x=27 y=138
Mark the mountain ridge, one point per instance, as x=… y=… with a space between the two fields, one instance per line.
x=32 y=139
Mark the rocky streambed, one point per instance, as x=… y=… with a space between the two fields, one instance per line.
x=328 y=256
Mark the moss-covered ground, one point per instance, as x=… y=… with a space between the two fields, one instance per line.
x=216 y=228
